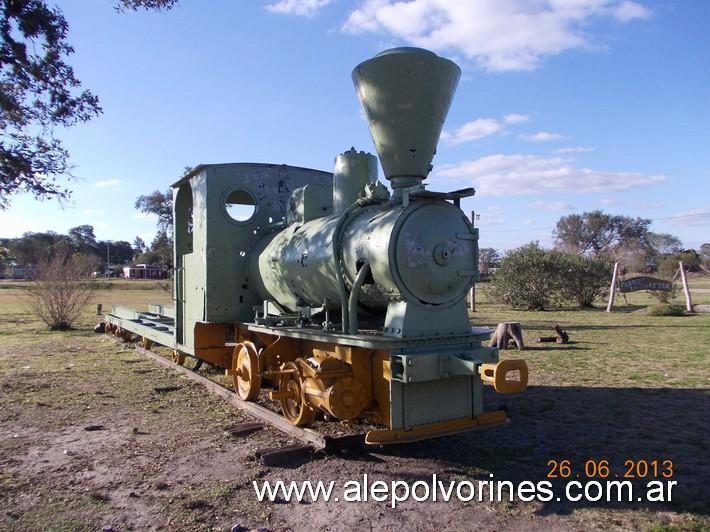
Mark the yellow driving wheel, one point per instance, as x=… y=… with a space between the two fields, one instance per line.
x=245 y=371
x=291 y=396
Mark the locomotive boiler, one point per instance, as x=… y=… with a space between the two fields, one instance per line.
x=330 y=292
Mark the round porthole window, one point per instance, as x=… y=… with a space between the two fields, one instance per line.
x=240 y=205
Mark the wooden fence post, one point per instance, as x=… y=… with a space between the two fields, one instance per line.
x=472 y=293
x=612 y=290
x=686 y=289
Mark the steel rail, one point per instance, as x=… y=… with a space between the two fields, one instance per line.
x=310 y=436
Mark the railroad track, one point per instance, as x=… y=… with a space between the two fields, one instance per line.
x=310 y=437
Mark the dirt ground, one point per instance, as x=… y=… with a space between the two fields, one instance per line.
x=162 y=461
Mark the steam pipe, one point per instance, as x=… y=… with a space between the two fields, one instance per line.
x=355 y=297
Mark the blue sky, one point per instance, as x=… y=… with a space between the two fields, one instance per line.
x=563 y=106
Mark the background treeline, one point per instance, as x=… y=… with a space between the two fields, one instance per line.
x=577 y=271
x=35 y=249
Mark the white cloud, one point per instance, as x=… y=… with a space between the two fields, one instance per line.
x=514 y=118
x=474 y=130
x=693 y=217
x=541 y=136
x=575 y=149
x=516 y=175
x=550 y=206
x=92 y=212
x=626 y=11
x=302 y=8
x=608 y=201
x=499 y=35
x=108 y=183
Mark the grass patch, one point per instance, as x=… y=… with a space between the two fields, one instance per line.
x=665 y=309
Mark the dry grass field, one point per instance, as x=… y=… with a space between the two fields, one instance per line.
x=627 y=387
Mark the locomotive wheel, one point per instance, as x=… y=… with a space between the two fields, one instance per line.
x=146 y=343
x=178 y=357
x=245 y=375
x=291 y=396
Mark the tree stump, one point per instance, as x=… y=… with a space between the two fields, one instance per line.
x=505 y=332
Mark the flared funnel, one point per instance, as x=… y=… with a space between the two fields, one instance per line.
x=405 y=94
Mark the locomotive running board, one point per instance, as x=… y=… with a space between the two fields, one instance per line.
x=436 y=430
x=310 y=436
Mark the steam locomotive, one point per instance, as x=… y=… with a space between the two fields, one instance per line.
x=335 y=295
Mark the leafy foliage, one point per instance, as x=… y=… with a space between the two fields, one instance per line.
x=584 y=279
x=597 y=233
x=61 y=290
x=668 y=265
x=135 y=5
x=161 y=205
x=705 y=256
x=535 y=278
x=488 y=258
x=40 y=92
x=529 y=277
x=38 y=248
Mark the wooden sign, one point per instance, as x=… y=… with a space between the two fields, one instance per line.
x=644 y=283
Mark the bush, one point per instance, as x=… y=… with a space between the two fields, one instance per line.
x=529 y=277
x=534 y=278
x=665 y=310
x=584 y=279
x=61 y=290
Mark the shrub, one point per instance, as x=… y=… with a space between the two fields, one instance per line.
x=61 y=290
x=534 y=278
x=529 y=277
x=583 y=279
x=665 y=310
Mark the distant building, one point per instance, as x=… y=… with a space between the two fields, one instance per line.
x=143 y=271
x=13 y=271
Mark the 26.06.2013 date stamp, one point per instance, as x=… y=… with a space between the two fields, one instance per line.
x=602 y=468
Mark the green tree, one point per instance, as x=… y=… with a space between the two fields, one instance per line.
x=664 y=244
x=160 y=253
x=488 y=258
x=597 y=233
x=39 y=93
x=84 y=239
x=691 y=259
x=35 y=248
x=161 y=205
x=120 y=251
x=705 y=256
x=139 y=246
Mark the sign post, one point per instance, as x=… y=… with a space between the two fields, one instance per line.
x=686 y=289
x=612 y=290
x=472 y=294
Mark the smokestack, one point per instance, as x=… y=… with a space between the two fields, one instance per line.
x=405 y=94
